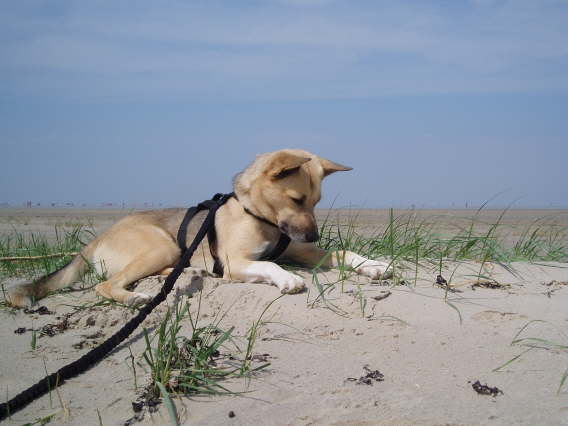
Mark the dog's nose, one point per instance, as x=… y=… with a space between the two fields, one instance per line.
x=312 y=236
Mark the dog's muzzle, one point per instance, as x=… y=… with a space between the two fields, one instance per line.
x=312 y=236
x=299 y=235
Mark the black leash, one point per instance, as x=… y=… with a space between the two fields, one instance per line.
x=95 y=355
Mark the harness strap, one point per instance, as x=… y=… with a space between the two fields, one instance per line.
x=262 y=219
x=281 y=245
x=218 y=200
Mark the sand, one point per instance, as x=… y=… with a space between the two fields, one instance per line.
x=429 y=345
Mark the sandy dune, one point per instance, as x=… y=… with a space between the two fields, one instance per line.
x=413 y=337
x=429 y=346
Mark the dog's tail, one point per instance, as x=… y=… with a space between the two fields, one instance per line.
x=26 y=294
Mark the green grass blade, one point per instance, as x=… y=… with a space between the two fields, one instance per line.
x=562 y=381
x=512 y=360
x=169 y=404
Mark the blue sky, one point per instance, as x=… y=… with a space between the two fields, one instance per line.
x=434 y=103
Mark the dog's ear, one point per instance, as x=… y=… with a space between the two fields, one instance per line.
x=284 y=164
x=330 y=167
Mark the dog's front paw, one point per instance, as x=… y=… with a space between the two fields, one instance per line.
x=289 y=283
x=374 y=270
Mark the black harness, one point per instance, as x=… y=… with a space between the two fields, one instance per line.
x=217 y=201
x=50 y=382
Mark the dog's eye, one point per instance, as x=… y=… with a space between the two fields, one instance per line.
x=299 y=201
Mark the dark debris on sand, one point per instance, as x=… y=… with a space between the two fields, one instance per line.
x=443 y=283
x=42 y=310
x=53 y=329
x=260 y=357
x=488 y=284
x=486 y=390
x=144 y=402
x=369 y=378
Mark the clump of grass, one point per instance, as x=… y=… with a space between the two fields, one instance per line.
x=407 y=238
x=542 y=240
x=185 y=364
x=17 y=244
x=252 y=334
x=194 y=364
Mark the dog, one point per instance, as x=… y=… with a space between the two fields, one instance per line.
x=275 y=194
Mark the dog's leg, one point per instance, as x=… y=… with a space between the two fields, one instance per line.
x=166 y=271
x=312 y=256
x=373 y=269
x=131 y=254
x=260 y=271
x=145 y=264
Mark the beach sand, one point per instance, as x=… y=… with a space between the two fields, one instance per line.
x=430 y=346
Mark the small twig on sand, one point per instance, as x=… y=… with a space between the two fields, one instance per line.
x=46 y=256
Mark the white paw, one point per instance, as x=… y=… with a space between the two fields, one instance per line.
x=137 y=299
x=289 y=283
x=374 y=270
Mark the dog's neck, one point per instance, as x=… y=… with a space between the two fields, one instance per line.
x=256 y=216
x=262 y=219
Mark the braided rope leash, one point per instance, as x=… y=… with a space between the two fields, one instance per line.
x=95 y=355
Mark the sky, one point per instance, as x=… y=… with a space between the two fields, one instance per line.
x=433 y=103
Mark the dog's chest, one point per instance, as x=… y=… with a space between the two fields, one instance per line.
x=263 y=249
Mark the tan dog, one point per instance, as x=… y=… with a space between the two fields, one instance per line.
x=280 y=187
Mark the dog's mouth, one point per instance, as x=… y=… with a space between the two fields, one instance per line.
x=312 y=237
x=299 y=235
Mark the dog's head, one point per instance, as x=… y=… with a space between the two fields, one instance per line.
x=283 y=187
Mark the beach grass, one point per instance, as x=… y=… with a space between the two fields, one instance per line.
x=409 y=241
x=198 y=362
x=409 y=237
x=40 y=255
x=529 y=342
